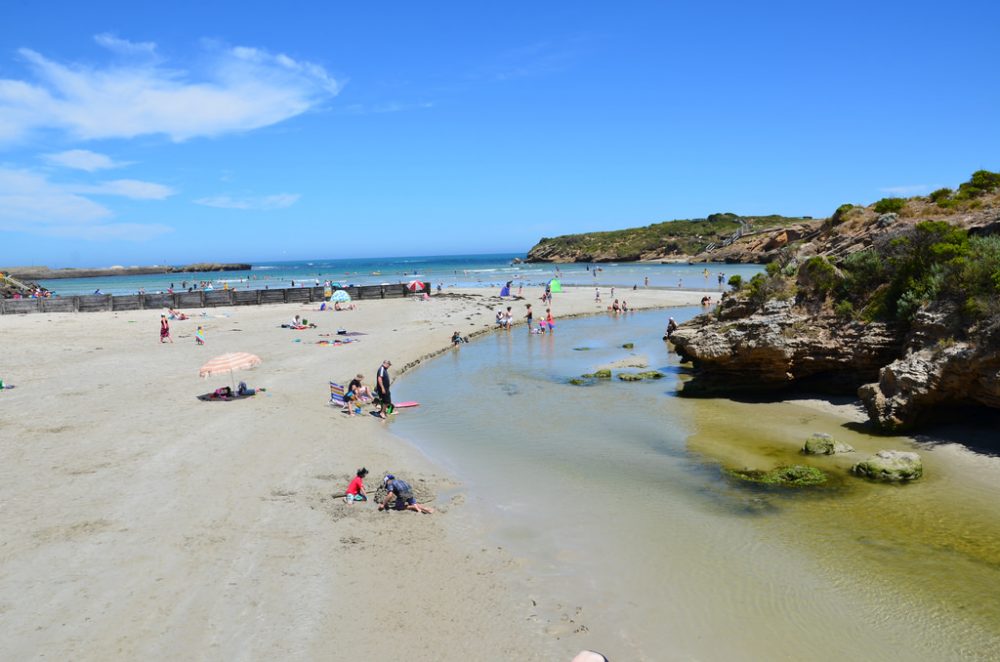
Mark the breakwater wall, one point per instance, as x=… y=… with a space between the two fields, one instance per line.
x=199 y=299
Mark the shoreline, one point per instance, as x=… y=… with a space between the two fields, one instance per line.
x=180 y=527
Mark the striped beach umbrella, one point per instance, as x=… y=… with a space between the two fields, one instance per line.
x=228 y=363
x=415 y=286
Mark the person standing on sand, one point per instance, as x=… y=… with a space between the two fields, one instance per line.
x=164 y=330
x=401 y=491
x=382 y=384
x=199 y=336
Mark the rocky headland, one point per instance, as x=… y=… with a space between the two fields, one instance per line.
x=718 y=238
x=897 y=302
x=46 y=273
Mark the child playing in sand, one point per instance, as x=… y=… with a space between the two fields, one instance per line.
x=356 y=489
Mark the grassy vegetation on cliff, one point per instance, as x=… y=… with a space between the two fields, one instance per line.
x=679 y=237
x=930 y=263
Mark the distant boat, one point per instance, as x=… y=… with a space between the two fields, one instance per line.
x=376 y=273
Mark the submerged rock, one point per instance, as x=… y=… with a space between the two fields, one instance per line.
x=577 y=381
x=639 y=376
x=628 y=345
x=797 y=475
x=890 y=466
x=598 y=374
x=823 y=444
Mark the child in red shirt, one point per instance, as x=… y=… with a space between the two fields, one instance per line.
x=356 y=490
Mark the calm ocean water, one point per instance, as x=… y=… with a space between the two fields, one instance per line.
x=448 y=270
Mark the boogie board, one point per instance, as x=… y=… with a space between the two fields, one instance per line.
x=409 y=403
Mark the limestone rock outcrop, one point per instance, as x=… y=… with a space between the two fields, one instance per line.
x=890 y=466
x=823 y=444
x=923 y=380
x=778 y=346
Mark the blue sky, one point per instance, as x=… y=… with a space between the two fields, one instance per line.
x=264 y=131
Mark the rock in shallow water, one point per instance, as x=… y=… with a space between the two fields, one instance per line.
x=890 y=466
x=823 y=444
x=794 y=476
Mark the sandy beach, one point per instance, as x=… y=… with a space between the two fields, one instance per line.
x=140 y=523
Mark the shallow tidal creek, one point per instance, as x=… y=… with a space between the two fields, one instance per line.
x=613 y=498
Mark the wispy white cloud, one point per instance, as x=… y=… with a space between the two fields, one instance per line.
x=29 y=202
x=237 y=89
x=127 y=188
x=124 y=46
x=265 y=203
x=82 y=159
x=906 y=189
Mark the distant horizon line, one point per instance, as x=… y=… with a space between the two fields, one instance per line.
x=253 y=263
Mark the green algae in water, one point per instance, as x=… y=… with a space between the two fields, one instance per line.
x=599 y=374
x=794 y=476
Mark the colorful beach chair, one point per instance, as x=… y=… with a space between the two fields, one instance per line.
x=337 y=395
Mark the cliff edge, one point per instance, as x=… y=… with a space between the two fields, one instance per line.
x=898 y=302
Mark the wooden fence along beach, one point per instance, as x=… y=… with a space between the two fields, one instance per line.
x=200 y=299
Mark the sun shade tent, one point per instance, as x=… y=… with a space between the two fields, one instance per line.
x=555 y=285
x=340 y=296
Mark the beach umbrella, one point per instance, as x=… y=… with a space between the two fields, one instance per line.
x=415 y=286
x=228 y=363
x=340 y=296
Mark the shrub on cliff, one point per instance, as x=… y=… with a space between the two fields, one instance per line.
x=818 y=275
x=889 y=205
x=841 y=213
x=928 y=263
x=940 y=195
x=736 y=281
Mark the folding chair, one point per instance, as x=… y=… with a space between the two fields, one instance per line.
x=337 y=395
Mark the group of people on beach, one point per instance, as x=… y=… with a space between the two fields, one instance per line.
x=358 y=394
x=505 y=320
x=616 y=307
x=199 y=334
x=398 y=493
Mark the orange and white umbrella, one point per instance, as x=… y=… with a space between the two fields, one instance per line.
x=229 y=363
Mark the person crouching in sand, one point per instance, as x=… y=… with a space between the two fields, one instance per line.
x=356 y=490
x=401 y=491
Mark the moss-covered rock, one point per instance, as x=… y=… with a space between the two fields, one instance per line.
x=794 y=476
x=823 y=444
x=598 y=374
x=651 y=374
x=890 y=466
x=629 y=377
x=577 y=381
x=628 y=345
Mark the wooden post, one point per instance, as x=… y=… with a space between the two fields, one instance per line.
x=201 y=292
x=258 y=296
